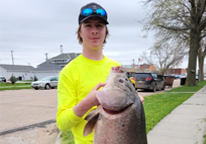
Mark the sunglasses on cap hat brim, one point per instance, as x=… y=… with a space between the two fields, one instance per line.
x=88 y=13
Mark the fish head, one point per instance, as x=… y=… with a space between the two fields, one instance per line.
x=118 y=94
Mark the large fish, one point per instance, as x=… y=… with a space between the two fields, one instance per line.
x=120 y=118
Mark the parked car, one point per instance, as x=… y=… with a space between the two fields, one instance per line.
x=184 y=75
x=183 y=78
x=132 y=79
x=49 y=82
x=2 y=79
x=149 y=81
x=177 y=76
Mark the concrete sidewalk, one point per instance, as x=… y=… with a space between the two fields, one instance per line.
x=186 y=124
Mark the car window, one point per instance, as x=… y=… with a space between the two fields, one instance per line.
x=141 y=75
x=54 y=79
x=45 y=79
x=154 y=75
x=160 y=77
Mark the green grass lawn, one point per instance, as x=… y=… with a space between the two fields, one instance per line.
x=189 y=88
x=16 y=86
x=156 y=107
x=159 y=105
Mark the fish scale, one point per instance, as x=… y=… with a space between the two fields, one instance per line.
x=122 y=129
x=120 y=118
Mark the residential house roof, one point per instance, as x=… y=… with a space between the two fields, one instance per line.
x=48 y=66
x=56 y=63
x=62 y=59
x=65 y=56
x=16 y=67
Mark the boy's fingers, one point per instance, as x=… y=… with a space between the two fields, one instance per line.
x=100 y=85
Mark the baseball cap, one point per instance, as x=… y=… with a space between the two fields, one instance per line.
x=92 y=10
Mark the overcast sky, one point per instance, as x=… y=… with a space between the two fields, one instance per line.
x=31 y=28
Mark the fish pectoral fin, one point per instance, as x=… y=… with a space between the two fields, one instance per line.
x=91 y=124
x=90 y=115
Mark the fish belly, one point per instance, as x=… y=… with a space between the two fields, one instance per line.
x=120 y=129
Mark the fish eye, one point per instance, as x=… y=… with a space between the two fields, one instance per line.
x=120 y=80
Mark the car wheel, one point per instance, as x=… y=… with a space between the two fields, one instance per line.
x=154 y=88
x=47 y=86
x=36 y=88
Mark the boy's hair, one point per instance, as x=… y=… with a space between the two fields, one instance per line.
x=81 y=40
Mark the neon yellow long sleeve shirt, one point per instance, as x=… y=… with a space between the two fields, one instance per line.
x=76 y=80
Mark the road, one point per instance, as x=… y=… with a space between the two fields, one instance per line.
x=28 y=116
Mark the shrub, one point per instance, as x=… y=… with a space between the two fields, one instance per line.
x=35 y=78
x=13 y=79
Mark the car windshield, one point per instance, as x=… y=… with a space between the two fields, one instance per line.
x=46 y=79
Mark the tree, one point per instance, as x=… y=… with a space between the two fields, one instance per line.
x=35 y=78
x=180 y=19
x=163 y=57
x=13 y=79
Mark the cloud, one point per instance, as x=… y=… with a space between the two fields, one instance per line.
x=32 y=28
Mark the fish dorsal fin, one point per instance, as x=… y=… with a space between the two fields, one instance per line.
x=90 y=124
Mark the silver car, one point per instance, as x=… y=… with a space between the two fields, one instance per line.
x=49 y=82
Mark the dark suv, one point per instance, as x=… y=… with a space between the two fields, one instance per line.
x=149 y=81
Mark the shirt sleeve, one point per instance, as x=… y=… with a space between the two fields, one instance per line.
x=66 y=118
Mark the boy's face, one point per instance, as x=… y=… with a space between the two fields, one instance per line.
x=93 y=33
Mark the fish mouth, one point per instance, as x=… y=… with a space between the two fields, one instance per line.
x=117 y=111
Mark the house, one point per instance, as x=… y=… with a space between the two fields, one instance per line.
x=46 y=69
x=63 y=59
x=148 y=67
x=22 y=72
x=176 y=71
x=143 y=68
x=53 y=66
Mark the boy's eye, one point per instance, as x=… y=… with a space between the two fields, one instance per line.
x=87 y=25
x=99 y=25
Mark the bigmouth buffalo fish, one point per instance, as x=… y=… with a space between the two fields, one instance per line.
x=120 y=118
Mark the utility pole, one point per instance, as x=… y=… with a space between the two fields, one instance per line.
x=12 y=57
